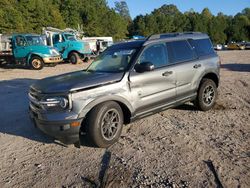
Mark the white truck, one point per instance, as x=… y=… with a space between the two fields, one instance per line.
x=98 y=44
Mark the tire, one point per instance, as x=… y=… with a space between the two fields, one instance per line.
x=85 y=60
x=99 y=124
x=36 y=63
x=207 y=95
x=74 y=58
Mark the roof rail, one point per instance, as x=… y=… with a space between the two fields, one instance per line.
x=169 y=35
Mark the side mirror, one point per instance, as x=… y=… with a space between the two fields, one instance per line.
x=144 y=67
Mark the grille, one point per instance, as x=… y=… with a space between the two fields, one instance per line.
x=35 y=97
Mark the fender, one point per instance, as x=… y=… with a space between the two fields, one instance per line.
x=33 y=54
x=102 y=99
x=204 y=74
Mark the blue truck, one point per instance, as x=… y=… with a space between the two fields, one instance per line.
x=66 y=42
x=28 y=50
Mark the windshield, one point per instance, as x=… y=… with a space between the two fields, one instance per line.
x=34 y=40
x=70 y=37
x=112 y=60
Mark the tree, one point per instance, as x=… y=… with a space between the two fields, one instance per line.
x=98 y=19
x=121 y=8
x=240 y=28
x=218 y=26
x=10 y=18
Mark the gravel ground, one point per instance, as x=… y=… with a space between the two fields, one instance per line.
x=179 y=147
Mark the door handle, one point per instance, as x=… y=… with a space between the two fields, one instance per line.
x=196 y=66
x=167 y=73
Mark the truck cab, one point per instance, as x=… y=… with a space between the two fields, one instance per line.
x=29 y=50
x=69 y=46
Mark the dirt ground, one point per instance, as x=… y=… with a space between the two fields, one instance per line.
x=179 y=147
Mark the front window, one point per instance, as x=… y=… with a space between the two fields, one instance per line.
x=155 y=54
x=34 y=40
x=112 y=60
x=70 y=37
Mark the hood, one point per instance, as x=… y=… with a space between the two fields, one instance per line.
x=45 y=50
x=75 y=81
x=81 y=46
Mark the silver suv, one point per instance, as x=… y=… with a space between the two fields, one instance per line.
x=128 y=81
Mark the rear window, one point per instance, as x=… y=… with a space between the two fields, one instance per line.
x=202 y=47
x=180 y=51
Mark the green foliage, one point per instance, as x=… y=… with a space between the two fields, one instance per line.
x=122 y=8
x=168 y=18
x=19 y=16
x=98 y=19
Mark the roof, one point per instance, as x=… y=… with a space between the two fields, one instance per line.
x=175 y=36
x=160 y=38
x=26 y=34
x=129 y=44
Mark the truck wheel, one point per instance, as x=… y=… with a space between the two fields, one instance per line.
x=74 y=58
x=36 y=63
x=104 y=124
x=207 y=95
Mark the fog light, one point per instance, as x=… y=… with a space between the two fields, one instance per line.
x=75 y=124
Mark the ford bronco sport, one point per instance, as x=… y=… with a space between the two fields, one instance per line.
x=128 y=81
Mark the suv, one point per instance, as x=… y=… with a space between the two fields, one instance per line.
x=128 y=81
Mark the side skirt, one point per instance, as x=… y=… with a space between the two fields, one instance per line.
x=162 y=107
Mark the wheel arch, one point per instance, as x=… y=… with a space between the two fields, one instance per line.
x=210 y=75
x=73 y=51
x=32 y=55
x=123 y=103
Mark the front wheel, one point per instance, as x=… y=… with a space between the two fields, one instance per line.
x=36 y=63
x=74 y=58
x=207 y=95
x=104 y=124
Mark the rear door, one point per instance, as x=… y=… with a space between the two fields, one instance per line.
x=154 y=88
x=183 y=56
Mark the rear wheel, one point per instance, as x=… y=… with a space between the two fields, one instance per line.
x=207 y=95
x=74 y=58
x=36 y=63
x=104 y=124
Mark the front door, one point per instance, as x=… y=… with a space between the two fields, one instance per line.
x=21 y=47
x=157 y=88
x=60 y=44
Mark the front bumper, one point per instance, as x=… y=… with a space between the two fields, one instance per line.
x=60 y=130
x=56 y=59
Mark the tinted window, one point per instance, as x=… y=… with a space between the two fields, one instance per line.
x=20 y=41
x=180 y=51
x=56 y=38
x=202 y=47
x=155 y=54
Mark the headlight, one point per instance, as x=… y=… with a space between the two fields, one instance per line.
x=55 y=103
x=54 y=52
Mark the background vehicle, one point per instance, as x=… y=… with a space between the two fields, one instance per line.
x=247 y=45
x=218 y=47
x=66 y=42
x=128 y=81
x=28 y=50
x=98 y=44
x=236 y=46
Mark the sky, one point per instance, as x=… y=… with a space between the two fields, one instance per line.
x=228 y=7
